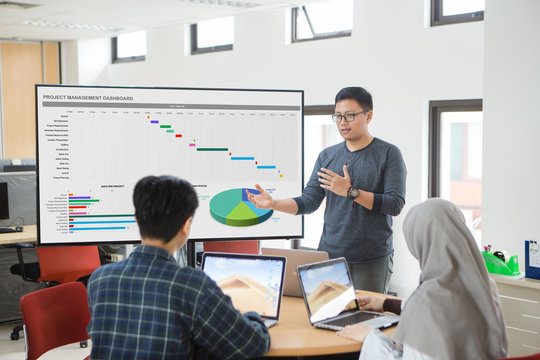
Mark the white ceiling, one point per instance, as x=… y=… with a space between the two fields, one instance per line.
x=115 y=16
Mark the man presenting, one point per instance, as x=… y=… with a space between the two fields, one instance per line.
x=363 y=180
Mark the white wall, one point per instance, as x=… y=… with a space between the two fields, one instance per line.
x=392 y=53
x=511 y=186
x=69 y=61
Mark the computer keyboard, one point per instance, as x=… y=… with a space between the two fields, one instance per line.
x=352 y=319
x=270 y=322
x=4 y=230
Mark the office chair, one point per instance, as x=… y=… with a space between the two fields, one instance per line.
x=54 y=317
x=56 y=265
x=238 y=247
x=525 y=357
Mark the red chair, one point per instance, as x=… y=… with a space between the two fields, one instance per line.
x=67 y=263
x=238 y=247
x=526 y=357
x=54 y=317
x=56 y=265
x=59 y=264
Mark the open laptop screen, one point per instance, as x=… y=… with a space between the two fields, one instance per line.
x=254 y=282
x=328 y=289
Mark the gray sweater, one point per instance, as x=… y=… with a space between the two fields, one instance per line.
x=350 y=230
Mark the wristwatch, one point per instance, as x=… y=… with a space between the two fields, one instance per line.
x=353 y=193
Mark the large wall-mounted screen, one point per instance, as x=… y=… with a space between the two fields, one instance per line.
x=95 y=143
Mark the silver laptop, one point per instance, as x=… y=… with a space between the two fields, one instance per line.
x=295 y=258
x=330 y=299
x=254 y=282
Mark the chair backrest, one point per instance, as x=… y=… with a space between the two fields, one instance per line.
x=525 y=357
x=54 y=317
x=235 y=247
x=67 y=263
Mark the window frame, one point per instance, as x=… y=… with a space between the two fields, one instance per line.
x=323 y=36
x=195 y=49
x=310 y=110
x=118 y=60
x=437 y=17
x=435 y=109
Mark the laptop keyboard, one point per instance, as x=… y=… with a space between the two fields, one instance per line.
x=351 y=319
x=270 y=322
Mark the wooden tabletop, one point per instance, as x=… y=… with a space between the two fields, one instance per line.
x=292 y=336
x=29 y=234
x=295 y=336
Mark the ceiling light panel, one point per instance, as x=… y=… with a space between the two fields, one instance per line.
x=225 y=3
x=71 y=26
x=19 y=5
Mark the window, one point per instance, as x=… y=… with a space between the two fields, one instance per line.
x=445 y=12
x=319 y=133
x=455 y=157
x=212 y=35
x=322 y=20
x=129 y=47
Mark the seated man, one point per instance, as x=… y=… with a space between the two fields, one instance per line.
x=148 y=307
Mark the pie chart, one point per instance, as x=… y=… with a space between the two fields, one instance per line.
x=232 y=207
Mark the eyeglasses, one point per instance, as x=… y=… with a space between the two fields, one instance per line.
x=347 y=117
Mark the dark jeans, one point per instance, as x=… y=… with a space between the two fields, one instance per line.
x=374 y=275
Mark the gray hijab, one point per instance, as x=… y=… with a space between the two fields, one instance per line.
x=454 y=313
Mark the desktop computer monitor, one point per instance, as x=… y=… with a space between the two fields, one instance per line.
x=21 y=202
x=95 y=143
x=4 y=204
x=18 y=168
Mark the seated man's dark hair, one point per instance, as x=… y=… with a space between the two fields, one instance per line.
x=361 y=95
x=162 y=206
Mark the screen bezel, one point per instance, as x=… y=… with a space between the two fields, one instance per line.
x=302 y=268
x=4 y=191
x=138 y=241
x=282 y=259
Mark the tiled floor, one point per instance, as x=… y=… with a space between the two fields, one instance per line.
x=14 y=350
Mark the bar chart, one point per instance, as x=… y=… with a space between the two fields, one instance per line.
x=83 y=218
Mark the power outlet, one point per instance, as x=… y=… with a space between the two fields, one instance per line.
x=115 y=257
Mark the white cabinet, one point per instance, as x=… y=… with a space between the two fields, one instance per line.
x=520 y=301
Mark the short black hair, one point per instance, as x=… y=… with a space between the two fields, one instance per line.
x=162 y=206
x=361 y=95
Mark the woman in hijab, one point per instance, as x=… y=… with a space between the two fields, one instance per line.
x=455 y=312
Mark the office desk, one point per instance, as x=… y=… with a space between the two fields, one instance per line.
x=28 y=235
x=13 y=287
x=294 y=335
